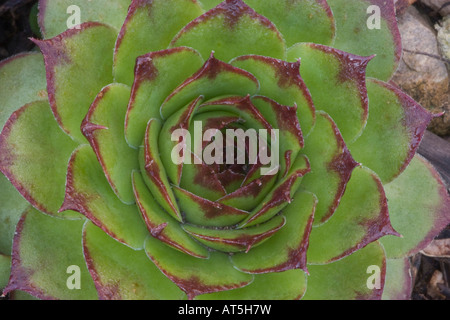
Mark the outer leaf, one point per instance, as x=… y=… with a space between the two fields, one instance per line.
x=103 y=127
x=395 y=128
x=149 y=26
x=5 y=268
x=55 y=15
x=155 y=78
x=336 y=80
x=23 y=81
x=398 y=280
x=108 y=261
x=41 y=236
x=88 y=192
x=78 y=64
x=25 y=148
x=419 y=206
x=288 y=285
x=353 y=19
x=361 y=218
x=232 y=29
x=196 y=276
x=347 y=279
x=299 y=20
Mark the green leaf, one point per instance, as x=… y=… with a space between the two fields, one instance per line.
x=55 y=15
x=361 y=218
x=288 y=285
x=286 y=249
x=398 y=280
x=40 y=236
x=155 y=78
x=27 y=154
x=353 y=19
x=109 y=261
x=161 y=225
x=103 y=128
x=23 y=81
x=78 y=64
x=88 y=192
x=299 y=20
x=419 y=206
x=150 y=25
x=196 y=276
x=5 y=269
x=395 y=128
x=336 y=80
x=232 y=29
x=348 y=278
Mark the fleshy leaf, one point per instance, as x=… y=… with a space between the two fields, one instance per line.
x=215 y=78
x=395 y=128
x=230 y=30
x=361 y=218
x=286 y=249
x=55 y=15
x=5 y=267
x=78 y=63
x=150 y=25
x=161 y=225
x=336 y=80
x=358 y=33
x=27 y=155
x=348 y=278
x=23 y=81
x=299 y=20
x=203 y=212
x=103 y=127
x=419 y=206
x=236 y=240
x=196 y=276
x=281 y=81
x=88 y=192
x=155 y=78
x=41 y=236
x=331 y=166
x=398 y=280
x=108 y=260
x=288 y=285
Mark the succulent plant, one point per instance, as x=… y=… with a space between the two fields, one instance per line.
x=93 y=204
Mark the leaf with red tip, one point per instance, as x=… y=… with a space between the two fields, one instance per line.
x=108 y=260
x=196 y=276
x=39 y=236
x=331 y=166
x=398 y=280
x=286 y=249
x=236 y=240
x=78 y=63
x=348 y=279
x=281 y=81
x=299 y=20
x=203 y=212
x=419 y=206
x=288 y=285
x=337 y=83
x=103 y=127
x=27 y=155
x=358 y=32
x=395 y=128
x=281 y=195
x=154 y=80
x=214 y=79
x=55 y=15
x=361 y=218
x=161 y=225
x=149 y=26
x=88 y=192
x=232 y=29
x=154 y=173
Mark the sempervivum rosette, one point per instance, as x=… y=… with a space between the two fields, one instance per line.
x=120 y=153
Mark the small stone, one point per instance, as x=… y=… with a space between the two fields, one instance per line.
x=440 y=6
